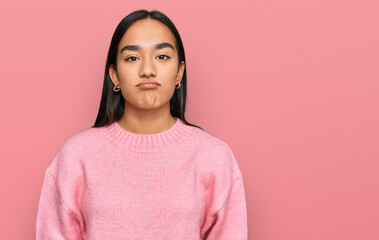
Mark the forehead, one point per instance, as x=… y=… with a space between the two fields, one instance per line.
x=147 y=32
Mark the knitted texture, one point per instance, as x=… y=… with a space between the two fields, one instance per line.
x=109 y=183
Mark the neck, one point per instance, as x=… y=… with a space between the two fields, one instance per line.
x=132 y=141
x=146 y=121
x=146 y=126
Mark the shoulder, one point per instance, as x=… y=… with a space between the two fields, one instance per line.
x=70 y=152
x=217 y=155
x=207 y=142
x=81 y=138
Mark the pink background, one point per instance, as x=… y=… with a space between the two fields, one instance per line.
x=292 y=86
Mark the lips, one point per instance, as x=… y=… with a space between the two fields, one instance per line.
x=148 y=83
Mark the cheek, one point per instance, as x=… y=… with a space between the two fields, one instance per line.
x=168 y=72
x=125 y=73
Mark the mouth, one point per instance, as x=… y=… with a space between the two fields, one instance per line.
x=147 y=85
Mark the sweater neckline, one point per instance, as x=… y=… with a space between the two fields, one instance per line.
x=146 y=142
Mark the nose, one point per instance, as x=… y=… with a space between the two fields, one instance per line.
x=147 y=68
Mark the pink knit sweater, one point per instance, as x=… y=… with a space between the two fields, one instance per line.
x=109 y=183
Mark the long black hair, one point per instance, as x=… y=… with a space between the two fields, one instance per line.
x=112 y=103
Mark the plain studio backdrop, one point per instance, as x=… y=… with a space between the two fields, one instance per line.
x=292 y=86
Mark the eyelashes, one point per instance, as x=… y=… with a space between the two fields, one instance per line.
x=160 y=57
x=166 y=57
x=131 y=59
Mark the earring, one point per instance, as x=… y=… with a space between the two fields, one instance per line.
x=176 y=86
x=116 y=89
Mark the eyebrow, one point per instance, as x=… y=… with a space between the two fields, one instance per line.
x=137 y=47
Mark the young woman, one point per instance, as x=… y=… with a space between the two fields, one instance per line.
x=142 y=171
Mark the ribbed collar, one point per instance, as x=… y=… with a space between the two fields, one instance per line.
x=146 y=142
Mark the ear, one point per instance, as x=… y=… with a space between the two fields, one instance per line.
x=179 y=74
x=114 y=75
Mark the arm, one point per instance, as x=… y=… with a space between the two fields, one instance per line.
x=230 y=222
x=54 y=219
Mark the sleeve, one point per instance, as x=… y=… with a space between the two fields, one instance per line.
x=226 y=212
x=54 y=219
x=230 y=222
x=59 y=214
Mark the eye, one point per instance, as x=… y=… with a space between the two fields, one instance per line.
x=163 y=57
x=131 y=59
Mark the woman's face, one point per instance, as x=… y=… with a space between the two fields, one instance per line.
x=147 y=52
